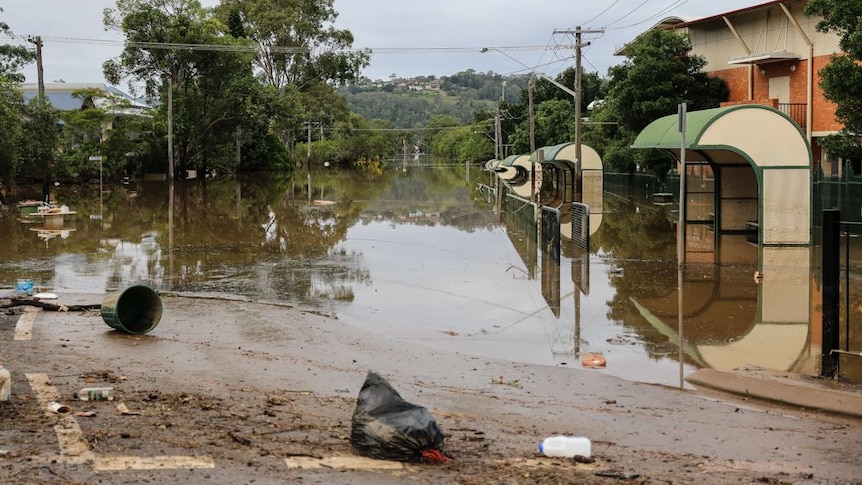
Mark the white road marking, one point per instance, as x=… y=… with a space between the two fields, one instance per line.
x=24 y=327
x=112 y=463
x=74 y=448
x=343 y=462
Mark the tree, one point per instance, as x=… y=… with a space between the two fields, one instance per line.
x=658 y=74
x=213 y=89
x=841 y=79
x=12 y=59
x=299 y=52
x=11 y=105
x=38 y=147
x=321 y=52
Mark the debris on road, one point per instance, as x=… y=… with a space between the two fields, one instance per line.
x=385 y=426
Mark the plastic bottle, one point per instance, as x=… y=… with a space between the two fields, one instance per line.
x=96 y=394
x=565 y=446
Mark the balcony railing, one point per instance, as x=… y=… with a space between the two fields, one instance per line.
x=796 y=111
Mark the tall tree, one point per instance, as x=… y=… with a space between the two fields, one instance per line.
x=841 y=79
x=657 y=75
x=298 y=43
x=12 y=59
x=179 y=48
x=11 y=104
x=300 y=53
x=39 y=146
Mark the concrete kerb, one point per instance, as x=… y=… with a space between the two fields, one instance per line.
x=785 y=389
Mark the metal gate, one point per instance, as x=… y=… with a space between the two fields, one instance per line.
x=581 y=225
x=842 y=297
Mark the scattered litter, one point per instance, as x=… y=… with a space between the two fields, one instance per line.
x=239 y=439
x=124 y=410
x=96 y=394
x=385 y=426
x=566 y=446
x=5 y=384
x=594 y=361
x=85 y=414
x=58 y=408
x=617 y=474
x=45 y=296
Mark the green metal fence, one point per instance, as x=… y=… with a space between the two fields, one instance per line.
x=842 y=192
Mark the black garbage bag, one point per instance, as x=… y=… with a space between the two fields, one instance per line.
x=387 y=427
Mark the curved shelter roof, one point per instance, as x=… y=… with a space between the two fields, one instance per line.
x=565 y=152
x=767 y=139
x=516 y=171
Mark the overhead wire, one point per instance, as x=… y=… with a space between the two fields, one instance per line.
x=674 y=4
x=280 y=49
x=602 y=12
x=629 y=13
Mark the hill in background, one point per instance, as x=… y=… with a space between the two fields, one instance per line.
x=409 y=103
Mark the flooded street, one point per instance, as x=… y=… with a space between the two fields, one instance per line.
x=417 y=253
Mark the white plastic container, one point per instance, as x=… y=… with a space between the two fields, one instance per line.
x=566 y=446
x=96 y=394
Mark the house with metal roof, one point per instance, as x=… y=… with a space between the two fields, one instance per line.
x=770 y=54
x=71 y=96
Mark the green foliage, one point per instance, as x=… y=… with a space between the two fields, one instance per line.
x=657 y=75
x=411 y=109
x=11 y=122
x=277 y=24
x=841 y=79
x=366 y=139
x=448 y=143
x=13 y=58
x=488 y=86
x=216 y=101
x=41 y=125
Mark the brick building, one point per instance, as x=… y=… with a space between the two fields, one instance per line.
x=771 y=54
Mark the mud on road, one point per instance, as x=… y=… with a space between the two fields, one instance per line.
x=240 y=392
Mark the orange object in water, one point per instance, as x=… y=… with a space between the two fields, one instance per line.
x=593 y=360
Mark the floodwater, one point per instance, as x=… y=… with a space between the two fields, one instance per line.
x=416 y=252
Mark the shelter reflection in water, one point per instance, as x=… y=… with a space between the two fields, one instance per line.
x=419 y=255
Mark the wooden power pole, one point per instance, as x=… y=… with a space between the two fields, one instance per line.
x=579 y=44
x=40 y=73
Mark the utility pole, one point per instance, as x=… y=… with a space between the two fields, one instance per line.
x=498 y=136
x=530 y=86
x=578 y=94
x=170 y=126
x=308 y=162
x=37 y=41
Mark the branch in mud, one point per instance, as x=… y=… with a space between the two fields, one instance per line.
x=51 y=307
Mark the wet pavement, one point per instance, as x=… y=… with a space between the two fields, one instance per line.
x=244 y=353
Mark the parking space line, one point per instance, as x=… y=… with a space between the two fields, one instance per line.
x=24 y=327
x=74 y=448
x=69 y=434
x=342 y=463
x=114 y=463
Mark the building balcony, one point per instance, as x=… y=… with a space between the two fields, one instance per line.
x=796 y=111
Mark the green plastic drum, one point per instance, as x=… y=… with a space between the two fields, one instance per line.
x=135 y=310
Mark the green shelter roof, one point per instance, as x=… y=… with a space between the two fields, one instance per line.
x=664 y=132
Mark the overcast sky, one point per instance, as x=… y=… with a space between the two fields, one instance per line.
x=410 y=37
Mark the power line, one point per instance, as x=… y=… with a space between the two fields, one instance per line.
x=630 y=12
x=278 y=49
x=674 y=4
x=602 y=12
x=168 y=45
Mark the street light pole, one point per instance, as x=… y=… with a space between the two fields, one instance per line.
x=529 y=94
x=530 y=84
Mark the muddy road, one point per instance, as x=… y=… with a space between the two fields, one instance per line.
x=240 y=392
